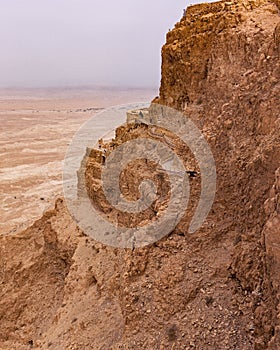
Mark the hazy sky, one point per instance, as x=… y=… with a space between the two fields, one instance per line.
x=74 y=42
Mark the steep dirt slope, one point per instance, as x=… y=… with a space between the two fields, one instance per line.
x=215 y=289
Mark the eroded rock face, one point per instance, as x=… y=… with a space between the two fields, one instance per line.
x=231 y=89
x=215 y=289
x=271 y=242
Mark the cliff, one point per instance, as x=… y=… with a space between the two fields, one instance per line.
x=215 y=289
x=221 y=66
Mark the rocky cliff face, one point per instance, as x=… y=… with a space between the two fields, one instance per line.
x=221 y=66
x=216 y=289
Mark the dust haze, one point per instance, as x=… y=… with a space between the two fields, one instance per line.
x=70 y=42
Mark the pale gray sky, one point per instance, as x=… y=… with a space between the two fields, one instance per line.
x=76 y=42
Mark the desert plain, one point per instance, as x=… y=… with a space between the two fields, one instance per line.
x=36 y=126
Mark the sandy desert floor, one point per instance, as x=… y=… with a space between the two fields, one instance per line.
x=35 y=128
